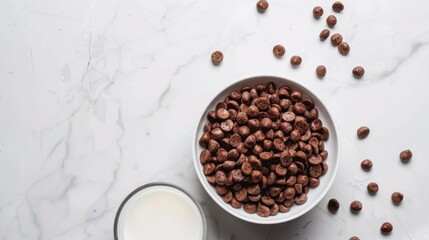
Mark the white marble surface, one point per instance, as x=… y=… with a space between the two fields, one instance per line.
x=100 y=97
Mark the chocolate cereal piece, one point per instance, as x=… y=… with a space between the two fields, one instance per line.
x=279 y=51
x=295 y=60
x=386 y=228
x=362 y=132
x=356 y=206
x=301 y=199
x=333 y=205
x=337 y=6
x=324 y=132
x=250 y=208
x=336 y=39
x=283 y=208
x=406 y=155
x=397 y=198
x=343 y=48
x=222 y=114
x=217 y=57
x=358 y=72
x=262 y=103
x=331 y=20
x=235 y=203
x=317 y=12
x=372 y=188
x=354 y=238
x=296 y=96
x=263 y=211
x=262 y=5
x=366 y=164
x=321 y=71
x=324 y=34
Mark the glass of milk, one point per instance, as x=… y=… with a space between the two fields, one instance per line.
x=159 y=211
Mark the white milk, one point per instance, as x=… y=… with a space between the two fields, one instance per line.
x=161 y=213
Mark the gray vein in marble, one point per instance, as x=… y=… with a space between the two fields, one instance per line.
x=7 y=204
x=18 y=220
x=67 y=141
x=121 y=126
x=188 y=165
x=67 y=182
x=113 y=79
x=414 y=49
x=325 y=211
x=99 y=207
x=67 y=230
x=89 y=49
x=53 y=149
x=164 y=17
x=362 y=181
x=164 y=93
x=169 y=171
x=34 y=219
x=66 y=185
x=354 y=186
x=85 y=230
x=160 y=100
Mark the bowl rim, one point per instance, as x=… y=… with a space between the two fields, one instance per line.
x=154 y=184
x=223 y=205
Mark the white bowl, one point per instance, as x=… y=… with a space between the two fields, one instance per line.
x=314 y=195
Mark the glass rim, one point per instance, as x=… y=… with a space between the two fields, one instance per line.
x=154 y=184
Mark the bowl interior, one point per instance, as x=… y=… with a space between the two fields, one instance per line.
x=314 y=195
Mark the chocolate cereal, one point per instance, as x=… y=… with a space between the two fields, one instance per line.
x=366 y=164
x=321 y=71
x=217 y=57
x=333 y=205
x=336 y=39
x=331 y=20
x=356 y=206
x=362 y=132
x=263 y=149
x=343 y=48
x=358 y=72
x=397 y=198
x=406 y=155
x=386 y=228
x=317 y=12
x=337 y=6
x=295 y=61
x=262 y=5
x=324 y=34
x=279 y=51
x=372 y=188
